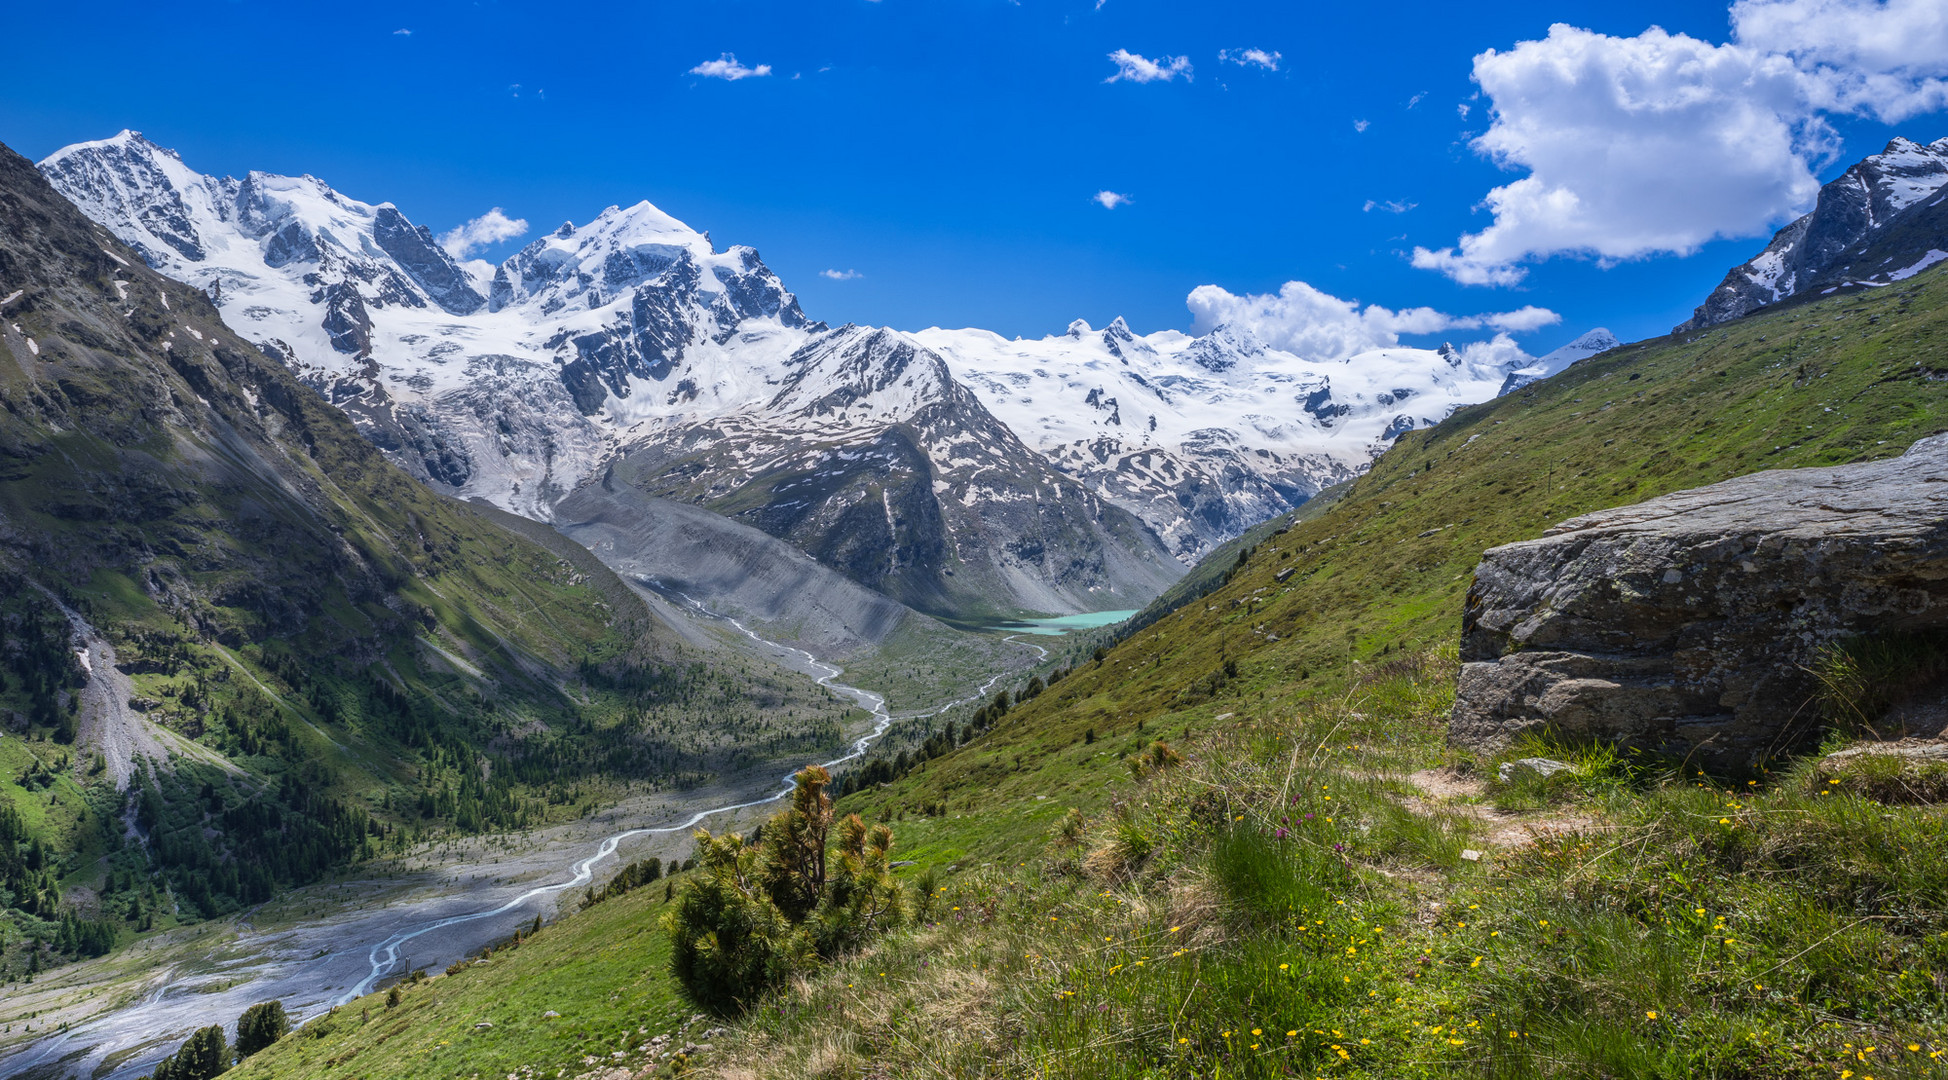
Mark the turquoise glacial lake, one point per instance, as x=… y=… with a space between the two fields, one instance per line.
x=1065 y=624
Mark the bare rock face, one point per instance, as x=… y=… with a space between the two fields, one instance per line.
x=1686 y=624
x=1876 y=223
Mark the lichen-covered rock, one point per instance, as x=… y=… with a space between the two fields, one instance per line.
x=1686 y=624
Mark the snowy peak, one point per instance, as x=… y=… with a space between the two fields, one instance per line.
x=1116 y=340
x=1590 y=344
x=658 y=284
x=145 y=189
x=301 y=220
x=1120 y=342
x=594 y=263
x=1204 y=436
x=204 y=229
x=643 y=224
x=865 y=374
x=1903 y=174
x=1225 y=348
x=1881 y=217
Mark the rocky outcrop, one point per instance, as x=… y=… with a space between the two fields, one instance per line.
x=1686 y=624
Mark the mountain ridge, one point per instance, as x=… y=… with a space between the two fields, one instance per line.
x=633 y=335
x=1880 y=222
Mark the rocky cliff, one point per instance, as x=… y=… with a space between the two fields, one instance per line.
x=1882 y=221
x=1686 y=624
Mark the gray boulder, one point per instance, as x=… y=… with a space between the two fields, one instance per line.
x=1685 y=624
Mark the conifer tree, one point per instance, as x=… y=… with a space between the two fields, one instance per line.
x=260 y=1026
x=794 y=867
x=205 y=1055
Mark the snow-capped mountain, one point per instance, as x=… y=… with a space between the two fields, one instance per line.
x=500 y=395
x=1881 y=221
x=954 y=470
x=1590 y=344
x=1206 y=436
x=629 y=339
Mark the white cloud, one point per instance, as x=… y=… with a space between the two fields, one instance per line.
x=1390 y=206
x=1659 y=143
x=489 y=228
x=1318 y=326
x=1885 y=57
x=402 y=33
x=1361 y=125
x=727 y=67
x=1251 y=58
x=1416 y=99
x=1520 y=321
x=1656 y=143
x=1463 y=109
x=1110 y=200
x=1498 y=351
x=1133 y=68
x=840 y=275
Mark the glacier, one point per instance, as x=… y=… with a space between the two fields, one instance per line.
x=955 y=470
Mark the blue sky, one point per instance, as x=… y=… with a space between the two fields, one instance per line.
x=949 y=151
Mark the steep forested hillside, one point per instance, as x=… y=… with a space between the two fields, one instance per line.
x=239 y=649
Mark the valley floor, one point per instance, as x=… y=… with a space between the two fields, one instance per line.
x=317 y=948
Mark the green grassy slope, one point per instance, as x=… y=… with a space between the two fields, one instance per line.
x=1215 y=569
x=1285 y=903
x=1742 y=929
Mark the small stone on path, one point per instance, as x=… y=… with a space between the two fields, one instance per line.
x=1542 y=766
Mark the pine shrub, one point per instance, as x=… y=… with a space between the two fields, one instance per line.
x=757 y=913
